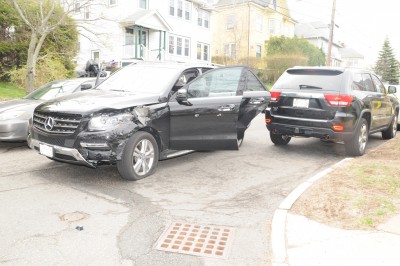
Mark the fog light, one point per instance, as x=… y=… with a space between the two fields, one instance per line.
x=98 y=145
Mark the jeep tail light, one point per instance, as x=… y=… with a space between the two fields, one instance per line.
x=338 y=100
x=275 y=96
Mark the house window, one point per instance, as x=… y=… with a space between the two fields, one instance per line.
x=206 y=18
x=200 y=18
x=179 y=46
x=77 y=6
x=172 y=7
x=187 y=44
x=112 y=2
x=129 y=36
x=230 y=50
x=203 y=51
x=274 y=27
x=258 y=50
x=171 y=44
x=203 y=18
x=182 y=45
x=180 y=9
x=259 y=23
x=96 y=56
x=199 y=51
x=87 y=12
x=230 y=22
x=143 y=4
x=188 y=10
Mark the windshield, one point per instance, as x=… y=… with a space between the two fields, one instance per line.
x=140 y=79
x=53 y=89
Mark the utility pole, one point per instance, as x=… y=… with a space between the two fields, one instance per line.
x=329 y=56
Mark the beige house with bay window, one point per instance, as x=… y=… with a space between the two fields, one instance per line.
x=241 y=27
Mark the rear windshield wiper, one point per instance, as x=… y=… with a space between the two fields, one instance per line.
x=309 y=87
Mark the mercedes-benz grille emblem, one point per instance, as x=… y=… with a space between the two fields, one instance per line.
x=49 y=123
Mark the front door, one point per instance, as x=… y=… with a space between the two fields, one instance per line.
x=208 y=120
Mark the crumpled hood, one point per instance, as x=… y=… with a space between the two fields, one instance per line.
x=95 y=100
x=19 y=105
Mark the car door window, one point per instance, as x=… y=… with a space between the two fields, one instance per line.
x=186 y=77
x=368 y=82
x=217 y=83
x=378 y=85
x=253 y=83
x=358 y=83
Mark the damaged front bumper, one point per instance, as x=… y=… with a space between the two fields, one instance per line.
x=58 y=153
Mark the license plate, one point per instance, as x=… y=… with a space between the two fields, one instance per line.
x=46 y=150
x=301 y=103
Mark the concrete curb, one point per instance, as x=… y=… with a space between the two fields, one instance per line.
x=278 y=226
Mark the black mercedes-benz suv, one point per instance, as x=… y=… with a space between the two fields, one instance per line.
x=147 y=112
x=337 y=104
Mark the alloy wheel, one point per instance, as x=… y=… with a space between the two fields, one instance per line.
x=363 y=137
x=143 y=157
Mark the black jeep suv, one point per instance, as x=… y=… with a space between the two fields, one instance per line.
x=337 y=104
x=149 y=111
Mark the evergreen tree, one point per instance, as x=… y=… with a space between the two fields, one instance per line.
x=387 y=66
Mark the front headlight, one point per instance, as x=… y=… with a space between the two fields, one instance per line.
x=108 y=122
x=8 y=115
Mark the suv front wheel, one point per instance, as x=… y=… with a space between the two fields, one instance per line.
x=139 y=158
x=356 y=145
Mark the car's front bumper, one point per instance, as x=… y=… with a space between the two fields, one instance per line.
x=13 y=130
x=63 y=154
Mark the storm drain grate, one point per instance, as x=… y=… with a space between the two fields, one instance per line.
x=195 y=239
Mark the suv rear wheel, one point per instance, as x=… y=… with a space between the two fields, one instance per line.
x=356 y=145
x=391 y=131
x=139 y=158
x=279 y=139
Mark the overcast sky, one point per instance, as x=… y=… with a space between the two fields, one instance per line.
x=363 y=24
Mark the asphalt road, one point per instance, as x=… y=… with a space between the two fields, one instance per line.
x=59 y=214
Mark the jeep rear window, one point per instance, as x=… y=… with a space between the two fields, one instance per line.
x=310 y=79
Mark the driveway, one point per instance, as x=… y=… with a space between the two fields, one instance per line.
x=54 y=213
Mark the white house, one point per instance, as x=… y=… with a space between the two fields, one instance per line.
x=122 y=31
x=351 y=58
x=317 y=33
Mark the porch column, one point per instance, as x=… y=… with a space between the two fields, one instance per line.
x=140 y=42
x=136 y=41
x=159 y=47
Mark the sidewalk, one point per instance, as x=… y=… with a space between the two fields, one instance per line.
x=299 y=241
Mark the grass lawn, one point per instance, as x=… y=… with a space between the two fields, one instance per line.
x=8 y=91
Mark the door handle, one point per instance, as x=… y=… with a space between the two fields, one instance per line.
x=257 y=101
x=227 y=108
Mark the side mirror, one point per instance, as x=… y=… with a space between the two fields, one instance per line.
x=392 y=89
x=86 y=87
x=182 y=97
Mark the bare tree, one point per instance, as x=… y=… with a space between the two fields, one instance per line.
x=42 y=18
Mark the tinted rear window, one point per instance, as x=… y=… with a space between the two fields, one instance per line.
x=310 y=79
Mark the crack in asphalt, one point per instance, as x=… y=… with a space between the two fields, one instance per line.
x=27 y=187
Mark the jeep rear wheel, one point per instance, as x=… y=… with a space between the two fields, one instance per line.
x=391 y=131
x=357 y=144
x=279 y=139
x=139 y=158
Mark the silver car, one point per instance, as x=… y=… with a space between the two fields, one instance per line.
x=15 y=114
